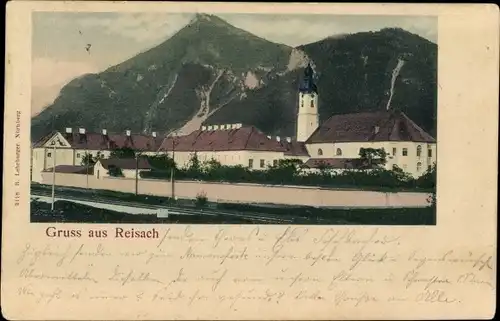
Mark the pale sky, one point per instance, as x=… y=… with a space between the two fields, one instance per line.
x=59 y=38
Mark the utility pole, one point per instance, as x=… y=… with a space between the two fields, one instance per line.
x=89 y=157
x=172 y=169
x=136 y=172
x=53 y=178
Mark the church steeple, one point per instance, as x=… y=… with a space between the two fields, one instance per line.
x=307 y=118
x=307 y=85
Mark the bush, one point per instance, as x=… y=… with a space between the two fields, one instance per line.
x=289 y=172
x=115 y=171
x=201 y=199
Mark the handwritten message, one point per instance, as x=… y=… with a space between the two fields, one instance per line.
x=227 y=268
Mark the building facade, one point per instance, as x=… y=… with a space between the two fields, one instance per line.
x=232 y=144
x=335 y=143
x=407 y=146
x=69 y=148
x=129 y=167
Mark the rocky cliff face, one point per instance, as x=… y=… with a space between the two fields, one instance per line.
x=212 y=72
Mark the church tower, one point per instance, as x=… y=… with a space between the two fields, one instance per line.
x=308 y=117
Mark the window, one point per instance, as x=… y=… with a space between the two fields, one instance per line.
x=419 y=167
x=77 y=155
x=429 y=152
x=312 y=103
x=419 y=150
x=320 y=152
x=405 y=151
x=394 y=151
x=275 y=162
x=97 y=173
x=339 y=152
x=53 y=142
x=262 y=163
x=301 y=103
x=49 y=154
x=250 y=163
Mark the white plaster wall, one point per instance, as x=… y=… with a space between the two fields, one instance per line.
x=326 y=149
x=408 y=163
x=307 y=119
x=99 y=171
x=38 y=163
x=230 y=158
x=247 y=193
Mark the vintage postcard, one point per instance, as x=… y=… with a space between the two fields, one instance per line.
x=175 y=160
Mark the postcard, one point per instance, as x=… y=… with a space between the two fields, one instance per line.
x=244 y=161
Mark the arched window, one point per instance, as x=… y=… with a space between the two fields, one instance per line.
x=419 y=167
x=320 y=152
x=419 y=150
x=312 y=103
x=339 y=152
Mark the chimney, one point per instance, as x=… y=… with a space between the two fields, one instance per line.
x=203 y=127
x=104 y=132
x=278 y=138
x=81 y=131
x=128 y=132
x=153 y=134
x=289 y=139
x=69 y=130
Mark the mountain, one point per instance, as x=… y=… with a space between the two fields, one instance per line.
x=212 y=72
x=355 y=73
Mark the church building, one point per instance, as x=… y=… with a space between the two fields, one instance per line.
x=335 y=144
x=338 y=141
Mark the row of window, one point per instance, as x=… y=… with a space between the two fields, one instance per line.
x=302 y=104
x=419 y=167
x=49 y=155
x=262 y=163
x=404 y=152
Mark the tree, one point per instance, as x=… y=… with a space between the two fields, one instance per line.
x=90 y=160
x=115 y=171
x=428 y=179
x=161 y=162
x=212 y=165
x=285 y=171
x=372 y=157
x=194 y=163
x=123 y=152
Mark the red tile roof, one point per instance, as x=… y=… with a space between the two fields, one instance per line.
x=295 y=148
x=98 y=141
x=244 y=138
x=72 y=169
x=361 y=127
x=125 y=163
